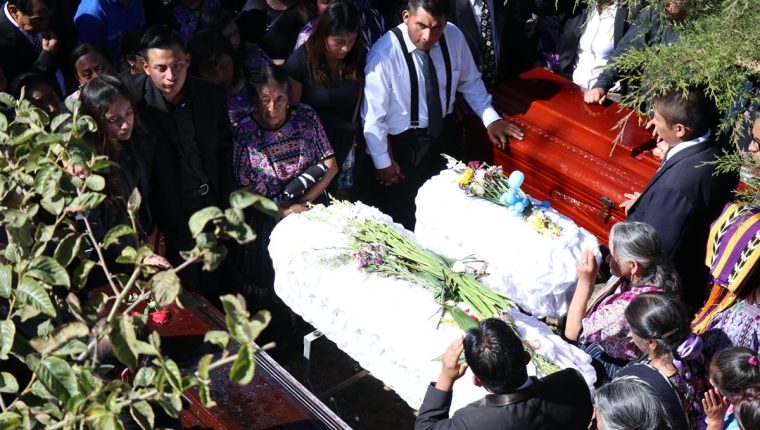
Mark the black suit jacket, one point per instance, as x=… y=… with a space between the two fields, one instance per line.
x=170 y=208
x=680 y=202
x=509 y=24
x=560 y=401
x=18 y=55
x=572 y=29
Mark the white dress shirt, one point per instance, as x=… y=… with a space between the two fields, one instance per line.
x=596 y=46
x=386 y=104
x=477 y=10
x=683 y=145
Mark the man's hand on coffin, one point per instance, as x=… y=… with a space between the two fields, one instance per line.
x=390 y=175
x=451 y=369
x=595 y=95
x=630 y=200
x=500 y=131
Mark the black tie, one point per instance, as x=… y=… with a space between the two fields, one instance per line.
x=433 y=96
x=488 y=68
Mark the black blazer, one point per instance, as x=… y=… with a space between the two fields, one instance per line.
x=18 y=55
x=571 y=31
x=681 y=201
x=560 y=401
x=213 y=136
x=509 y=27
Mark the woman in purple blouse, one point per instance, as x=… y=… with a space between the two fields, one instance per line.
x=638 y=265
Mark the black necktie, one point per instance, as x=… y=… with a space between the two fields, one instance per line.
x=433 y=96
x=487 y=49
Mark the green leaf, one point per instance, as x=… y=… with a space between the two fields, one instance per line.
x=254 y=327
x=204 y=391
x=142 y=414
x=165 y=286
x=7 y=100
x=39 y=390
x=47 y=180
x=6 y=280
x=31 y=293
x=8 y=383
x=219 y=338
x=203 y=366
x=135 y=200
x=144 y=377
x=100 y=418
x=461 y=318
x=85 y=202
x=67 y=249
x=75 y=403
x=123 y=339
x=213 y=257
x=44 y=328
x=115 y=233
x=199 y=219
x=95 y=182
x=243 y=366
x=241 y=199
x=58 y=120
x=128 y=256
x=172 y=374
x=79 y=277
x=48 y=270
x=72 y=348
x=60 y=336
x=58 y=378
x=236 y=315
x=7 y=333
x=53 y=205
x=171 y=404
x=9 y=420
x=3 y=122
x=144 y=348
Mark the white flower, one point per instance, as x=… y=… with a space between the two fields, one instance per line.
x=477 y=189
x=458 y=267
x=480 y=175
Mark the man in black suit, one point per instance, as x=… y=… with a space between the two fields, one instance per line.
x=26 y=44
x=685 y=196
x=498 y=361
x=506 y=24
x=192 y=160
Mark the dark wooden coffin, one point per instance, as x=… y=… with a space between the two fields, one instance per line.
x=567 y=152
x=272 y=400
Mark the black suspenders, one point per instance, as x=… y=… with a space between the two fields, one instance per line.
x=414 y=83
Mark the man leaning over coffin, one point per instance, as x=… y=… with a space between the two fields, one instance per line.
x=408 y=123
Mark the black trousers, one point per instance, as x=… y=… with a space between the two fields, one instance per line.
x=398 y=200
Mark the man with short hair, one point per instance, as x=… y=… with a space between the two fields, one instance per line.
x=685 y=195
x=409 y=122
x=192 y=160
x=498 y=362
x=26 y=43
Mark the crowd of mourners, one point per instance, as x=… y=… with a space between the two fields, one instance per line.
x=295 y=99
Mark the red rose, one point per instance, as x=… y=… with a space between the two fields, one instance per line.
x=160 y=317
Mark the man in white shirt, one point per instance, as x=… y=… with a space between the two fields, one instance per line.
x=685 y=195
x=404 y=137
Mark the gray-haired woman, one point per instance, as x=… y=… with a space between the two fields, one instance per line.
x=638 y=265
x=629 y=403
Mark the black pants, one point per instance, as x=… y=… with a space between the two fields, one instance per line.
x=398 y=200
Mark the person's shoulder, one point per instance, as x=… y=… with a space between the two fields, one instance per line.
x=564 y=376
x=89 y=7
x=452 y=31
x=384 y=45
x=203 y=88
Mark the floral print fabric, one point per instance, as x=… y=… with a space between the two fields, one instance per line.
x=266 y=160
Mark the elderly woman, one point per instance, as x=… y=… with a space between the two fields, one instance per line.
x=272 y=147
x=628 y=404
x=671 y=359
x=638 y=265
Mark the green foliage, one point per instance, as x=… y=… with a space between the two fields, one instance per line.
x=45 y=261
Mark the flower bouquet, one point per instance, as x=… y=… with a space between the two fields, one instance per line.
x=382 y=249
x=488 y=182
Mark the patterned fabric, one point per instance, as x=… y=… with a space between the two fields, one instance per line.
x=188 y=18
x=305 y=32
x=605 y=324
x=253 y=56
x=266 y=160
x=733 y=251
x=689 y=388
x=239 y=105
x=738 y=325
x=487 y=47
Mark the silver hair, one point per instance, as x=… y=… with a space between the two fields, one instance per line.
x=629 y=403
x=639 y=242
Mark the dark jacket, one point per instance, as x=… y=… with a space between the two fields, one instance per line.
x=572 y=29
x=560 y=401
x=18 y=55
x=171 y=204
x=681 y=201
x=647 y=30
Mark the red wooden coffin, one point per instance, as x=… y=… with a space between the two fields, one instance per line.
x=567 y=154
x=272 y=400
